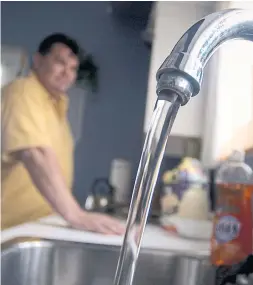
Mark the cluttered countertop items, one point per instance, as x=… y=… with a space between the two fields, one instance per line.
x=185 y=205
x=186 y=210
x=180 y=203
x=54 y=227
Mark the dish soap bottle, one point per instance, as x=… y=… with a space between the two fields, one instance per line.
x=232 y=232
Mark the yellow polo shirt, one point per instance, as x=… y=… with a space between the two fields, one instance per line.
x=30 y=118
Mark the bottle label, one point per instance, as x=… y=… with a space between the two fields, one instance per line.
x=227 y=229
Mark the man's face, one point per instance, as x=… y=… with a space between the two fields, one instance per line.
x=58 y=68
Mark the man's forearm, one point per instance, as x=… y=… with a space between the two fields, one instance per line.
x=45 y=172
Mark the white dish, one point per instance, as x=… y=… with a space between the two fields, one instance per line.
x=188 y=228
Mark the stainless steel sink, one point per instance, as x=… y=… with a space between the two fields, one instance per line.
x=47 y=262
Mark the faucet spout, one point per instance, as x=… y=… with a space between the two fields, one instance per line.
x=182 y=71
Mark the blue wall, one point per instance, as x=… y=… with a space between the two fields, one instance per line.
x=113 y=120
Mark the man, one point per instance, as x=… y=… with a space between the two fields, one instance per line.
x=37 y=148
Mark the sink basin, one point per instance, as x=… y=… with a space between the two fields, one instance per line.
x=48 y=262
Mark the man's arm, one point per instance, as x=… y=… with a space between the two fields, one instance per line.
x=44 y=170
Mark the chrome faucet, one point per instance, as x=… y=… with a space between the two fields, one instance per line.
x=182 y=71
x=178 y=79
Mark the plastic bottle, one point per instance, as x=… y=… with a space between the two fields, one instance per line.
x=233 y=222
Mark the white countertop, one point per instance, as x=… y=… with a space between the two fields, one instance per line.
x=54 y=227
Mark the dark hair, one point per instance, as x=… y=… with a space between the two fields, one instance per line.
x=46 y=45
x=87 y=68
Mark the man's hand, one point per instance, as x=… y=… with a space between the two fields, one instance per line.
x=99 y=223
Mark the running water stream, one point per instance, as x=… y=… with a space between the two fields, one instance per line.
x=151 y=158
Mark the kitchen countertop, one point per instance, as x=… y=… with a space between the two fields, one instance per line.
x=54 y=227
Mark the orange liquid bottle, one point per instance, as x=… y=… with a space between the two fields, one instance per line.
x=232 y=239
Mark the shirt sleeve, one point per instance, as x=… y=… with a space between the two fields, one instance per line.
x=23 y=121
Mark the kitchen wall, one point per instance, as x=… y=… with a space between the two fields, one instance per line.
x=113 y=119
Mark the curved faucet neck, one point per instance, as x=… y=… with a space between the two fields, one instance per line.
x=190 y=55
